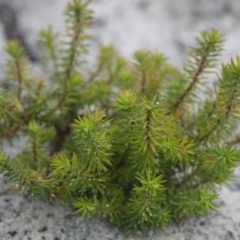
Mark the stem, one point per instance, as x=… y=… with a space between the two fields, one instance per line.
x=148 y=128
x=19 y=78
x=74 y=45
x=191 y=85
x=59 y=104
x=54 y=60
x=186 y=179
x=200 y=68
x=70 y=65
x=226 y=115
x=34 y=147
x=201 y=183
x=95 y=74
x=11 y=132
x=143 y=82
x=233 y=142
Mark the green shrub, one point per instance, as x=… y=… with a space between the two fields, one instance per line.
x=131 y=141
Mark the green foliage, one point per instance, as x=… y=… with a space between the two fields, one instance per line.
x=121 y=139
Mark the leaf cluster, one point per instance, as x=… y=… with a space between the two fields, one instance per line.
x=121 y=139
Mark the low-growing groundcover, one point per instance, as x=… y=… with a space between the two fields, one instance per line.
x=128 y=140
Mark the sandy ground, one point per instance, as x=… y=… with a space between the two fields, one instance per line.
x=168 y=26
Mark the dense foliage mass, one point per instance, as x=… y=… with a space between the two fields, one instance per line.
x=131 y=141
